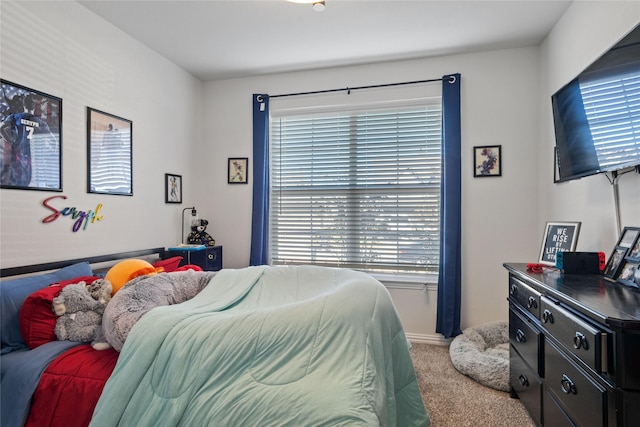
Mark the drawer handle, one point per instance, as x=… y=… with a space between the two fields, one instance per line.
x=212 y=256
x=532 y=303
x=568 y=386
x=514 y=290
x=523 y=380
x=520 y=336
x=580 y=341
x=547 y=316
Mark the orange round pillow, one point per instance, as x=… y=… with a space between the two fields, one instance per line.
x=127 y=270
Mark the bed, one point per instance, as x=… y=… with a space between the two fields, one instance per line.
x=263 y=346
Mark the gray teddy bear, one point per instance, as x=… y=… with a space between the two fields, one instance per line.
x=80 y=307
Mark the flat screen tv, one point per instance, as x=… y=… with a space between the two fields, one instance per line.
x=597 y=115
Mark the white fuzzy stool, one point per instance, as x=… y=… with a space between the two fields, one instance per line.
x=482 y=353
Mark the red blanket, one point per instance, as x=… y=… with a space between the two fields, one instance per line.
x=70 y=388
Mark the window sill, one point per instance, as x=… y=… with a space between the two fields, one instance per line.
x=398 y=281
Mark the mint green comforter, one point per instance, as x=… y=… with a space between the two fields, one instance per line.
x=268 y=346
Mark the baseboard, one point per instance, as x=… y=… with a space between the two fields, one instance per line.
x=436 y=339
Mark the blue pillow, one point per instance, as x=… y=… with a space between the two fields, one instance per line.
x=13 y=293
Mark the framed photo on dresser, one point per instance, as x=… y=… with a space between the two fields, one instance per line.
x=558 y=237
x=623 y=265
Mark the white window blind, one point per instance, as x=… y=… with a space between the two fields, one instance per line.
x=612 y=106
x=357 y=189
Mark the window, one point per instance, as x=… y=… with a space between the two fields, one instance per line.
x=357 y=188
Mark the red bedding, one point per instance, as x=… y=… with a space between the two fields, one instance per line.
x=70 y=388
x=71 y=385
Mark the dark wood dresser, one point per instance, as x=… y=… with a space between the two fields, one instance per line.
x=575 y=348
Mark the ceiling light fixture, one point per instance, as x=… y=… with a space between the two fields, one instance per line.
x=318 y=5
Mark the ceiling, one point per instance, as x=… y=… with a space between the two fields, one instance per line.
x=215 y=39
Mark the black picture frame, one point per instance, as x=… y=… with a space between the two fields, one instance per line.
x=628 y=237
x=615 y=261
x=634 y=251
x=109 y=154
x=487 y=161
x=627 y=249
x=629 y=273
x=558 y=237
x=238 y=170
x=172 y=188
x=31 y=135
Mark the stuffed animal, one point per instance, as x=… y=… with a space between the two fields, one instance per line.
x=198 y=235
x=80 y=308
x=127 y=270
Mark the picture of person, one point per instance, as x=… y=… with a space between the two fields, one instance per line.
x=173 y=194
x=628 y=272
x=172 y=188
x=614 y=261
x=635 y=251
x=18 y=131
x=29 y=139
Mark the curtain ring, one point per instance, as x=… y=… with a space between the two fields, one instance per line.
x=259 y=98
x=452 y=79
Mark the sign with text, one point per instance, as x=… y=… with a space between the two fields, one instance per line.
x=558 y=237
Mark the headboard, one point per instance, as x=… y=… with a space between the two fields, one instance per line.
x=34 y=268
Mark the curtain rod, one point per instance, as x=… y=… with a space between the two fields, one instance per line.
x=452 y=79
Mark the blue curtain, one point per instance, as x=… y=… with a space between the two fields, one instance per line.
x=449 y=280
x=260 y=210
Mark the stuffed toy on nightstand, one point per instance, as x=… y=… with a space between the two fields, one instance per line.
x=198 y=235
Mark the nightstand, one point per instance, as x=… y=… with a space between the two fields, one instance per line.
x=209 y=258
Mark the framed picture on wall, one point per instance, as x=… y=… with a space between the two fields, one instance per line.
x=172 y=188
x=109 y=154
x=487 y=161
x=31 y=130
x=238 y=170
x=558 y=237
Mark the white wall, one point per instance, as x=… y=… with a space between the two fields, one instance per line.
x=62 y=49
x=179 y=129
x=499 y=106
x=586 y=31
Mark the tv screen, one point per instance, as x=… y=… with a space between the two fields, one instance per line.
x=597 y=115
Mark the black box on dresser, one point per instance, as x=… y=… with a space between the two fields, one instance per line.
x=575 y=348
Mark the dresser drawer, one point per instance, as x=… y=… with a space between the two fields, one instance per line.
x=526 y=339
x=525 y=295
x=583 y=399
x=554 y=416
x=579 y=337
x=526 y=383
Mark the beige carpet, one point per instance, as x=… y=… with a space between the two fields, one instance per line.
x=455 y=400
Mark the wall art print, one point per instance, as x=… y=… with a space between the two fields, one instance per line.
x=487 y=161
x=109 y=154
x=30 y=139
x=238 y=170
x=172 y=188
